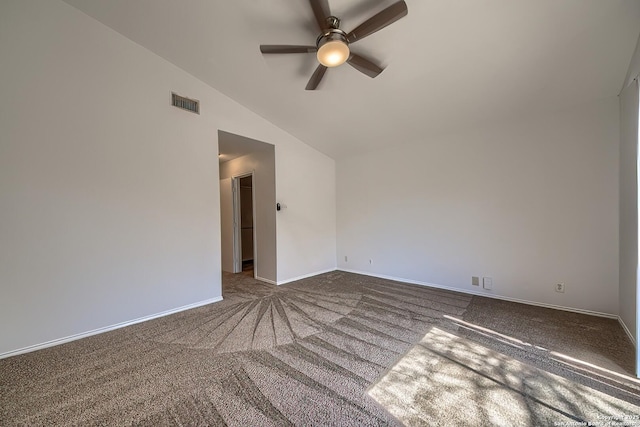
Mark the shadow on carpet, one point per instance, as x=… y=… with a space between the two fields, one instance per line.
x=446 y=379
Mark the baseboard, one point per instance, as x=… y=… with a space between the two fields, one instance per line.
x=482 y=294
x=629 y=334
x=282 y=282
x=262 y=279
x=105 y=329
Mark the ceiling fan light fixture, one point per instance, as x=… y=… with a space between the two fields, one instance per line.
x=333 y=48
x=332 y=45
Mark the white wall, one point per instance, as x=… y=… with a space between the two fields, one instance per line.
x=528 y=203
x=306 y=228
x=629 y=208
x=226 y=225
x=306 y=185
x=629 y=202
x=634 y=66
x=109 y=197
x=262 y=164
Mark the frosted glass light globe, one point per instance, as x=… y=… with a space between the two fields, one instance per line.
x=333 y=53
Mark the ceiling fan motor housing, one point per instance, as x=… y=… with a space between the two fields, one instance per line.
x=333 y=34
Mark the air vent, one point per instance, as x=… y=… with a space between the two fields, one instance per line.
x=185 y=103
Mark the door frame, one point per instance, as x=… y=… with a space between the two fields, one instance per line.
x=237 y=228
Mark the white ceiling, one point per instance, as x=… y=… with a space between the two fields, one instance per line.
x=449 y=63
x=232 y=146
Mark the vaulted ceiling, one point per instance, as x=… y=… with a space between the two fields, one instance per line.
x=449 y=64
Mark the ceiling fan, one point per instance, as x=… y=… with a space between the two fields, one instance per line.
x=332 y=45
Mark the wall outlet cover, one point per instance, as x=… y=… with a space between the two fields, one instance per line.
x=560 y=287
x=475 y=280
x=487 y=282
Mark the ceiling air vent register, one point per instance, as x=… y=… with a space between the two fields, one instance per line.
x=185 y=103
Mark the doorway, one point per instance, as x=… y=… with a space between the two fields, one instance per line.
x=247 y=179
x=244 y=225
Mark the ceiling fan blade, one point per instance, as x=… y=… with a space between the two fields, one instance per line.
x=321 y=11
x=364 y=65
x=378 y=21
x=316 y=77
x=284 y=48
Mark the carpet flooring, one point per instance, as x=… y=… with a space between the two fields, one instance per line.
x=445 y=371
x=335 y=349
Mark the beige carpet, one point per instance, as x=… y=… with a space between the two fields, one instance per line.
x=305 y=354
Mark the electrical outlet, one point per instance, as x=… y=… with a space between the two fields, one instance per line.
x=475 y=280
x=487 y=283
x=560 y=287
x=370 y=261
x=345 y=259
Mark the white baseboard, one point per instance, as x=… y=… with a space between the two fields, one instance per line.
x=483 y=294
x=262 y=279
x=106 y=328
x=629 y=334
x=282 y=282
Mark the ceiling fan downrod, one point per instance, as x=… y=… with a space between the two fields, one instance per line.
x=332 y=22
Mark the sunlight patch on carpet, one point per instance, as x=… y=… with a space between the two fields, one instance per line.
x=449 y=378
